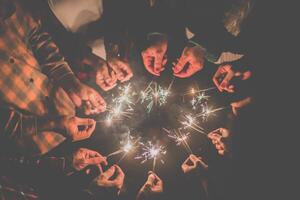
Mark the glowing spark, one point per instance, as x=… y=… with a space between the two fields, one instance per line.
x=207 y=112
x=191 y=122
x=151 y=151
x=127 y=146
x=199 y=99
x=122 y=105
x=180 y=138
x=155 y=94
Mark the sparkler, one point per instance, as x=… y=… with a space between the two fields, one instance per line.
x=155 y=94
x=126 y=147
x=191 y=122
x=207 y=112
x=122 y=105
x=151 y=151
x=180 y=138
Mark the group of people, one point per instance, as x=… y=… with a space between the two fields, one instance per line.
x=50 y=52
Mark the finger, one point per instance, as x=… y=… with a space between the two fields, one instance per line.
x=147 y=60
x=191 y=70
x=120 y=173
x=215 y=136
x=216 y=77
x=225 y=83
x=186 y=160
x=110 y=172
x=75 y=99
x=91 y=129
x=128 y=72
x=164 y=62
x=84 y=121
x=150 y=179
x=180 y=64
x=246 y=75
x=221 y=152
x=158 y=62
x=96 y=161
x=241 y=103
x=218 y=146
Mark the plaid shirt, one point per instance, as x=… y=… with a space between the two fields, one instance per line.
x=30 y=68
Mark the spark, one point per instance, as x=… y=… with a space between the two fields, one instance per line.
x=151 y=151
x=207 y=112
x=155 y=95
x=192 y=123
x=180 y=138
x=122 y=105
x=126 y=146
x=193 y=91
x=199 y=99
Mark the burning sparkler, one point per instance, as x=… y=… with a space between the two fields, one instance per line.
x=191 y=122
x=180 y=138
x=155 y=94
x=151 y=151
x=207 y=112
x=122 y=105
x=127 y=145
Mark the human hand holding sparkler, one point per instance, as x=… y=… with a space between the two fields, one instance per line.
x=121 y=68
x=223 y=76
x=105 y=79
x=98 y=70
x=78 y=128
x=105 y=179
x=192 y=163
x=85 y=96
x=154 y=56
x=191 y=56
x=153 y=185
x=219 y=138
x=84 y=157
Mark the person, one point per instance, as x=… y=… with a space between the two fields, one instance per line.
x=169 y=27
x=195 y=181
x=34 y=77
x=93 y=41
x=44 y=177
x=152 y=189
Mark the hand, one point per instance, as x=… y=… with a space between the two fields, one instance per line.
x=220 y=138
x=85 y=96
x=121 y=69
x=104 y=179
x=192 y=163
x=193 y=58
x=228 y=73
x=84 y=157
x=154 y=57
x=105 y=79
x=153 y=185
x=240 y=104
x=72 y=124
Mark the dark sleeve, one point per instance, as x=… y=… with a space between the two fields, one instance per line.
x=205 y=20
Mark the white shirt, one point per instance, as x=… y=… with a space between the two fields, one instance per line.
x=75 y=15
